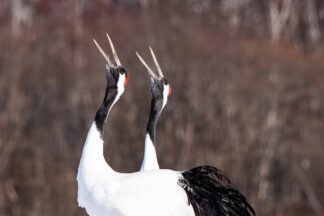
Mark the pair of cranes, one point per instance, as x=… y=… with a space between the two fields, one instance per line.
x=200 y=191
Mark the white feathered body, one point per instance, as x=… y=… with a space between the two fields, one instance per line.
x=104 y=192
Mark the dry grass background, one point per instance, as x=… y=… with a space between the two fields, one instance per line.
x=244 y=99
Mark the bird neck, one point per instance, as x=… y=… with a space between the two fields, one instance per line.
x=92 y=160
x=150 y=161
x=111 y=96
x=156 y=108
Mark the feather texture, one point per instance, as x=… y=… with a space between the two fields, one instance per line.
x=210 y=192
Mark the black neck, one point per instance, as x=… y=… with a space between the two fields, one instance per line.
x=156 y=108
x=102 y=113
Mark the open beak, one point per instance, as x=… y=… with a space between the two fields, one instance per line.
x=149 y=70
x=109 y=63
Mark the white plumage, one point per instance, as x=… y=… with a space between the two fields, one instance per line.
x=103 y=191
x=150 y=161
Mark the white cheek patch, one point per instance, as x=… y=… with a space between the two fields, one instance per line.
x=120 y=84
x=165 y=93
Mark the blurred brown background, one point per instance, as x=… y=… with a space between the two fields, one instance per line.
x=248 y=92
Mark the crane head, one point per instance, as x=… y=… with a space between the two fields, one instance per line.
x=116 y=76
x=160 y=87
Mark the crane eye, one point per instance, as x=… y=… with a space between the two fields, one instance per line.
x=122 y=70
x=165 y=83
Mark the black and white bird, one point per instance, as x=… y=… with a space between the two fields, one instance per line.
x=159 y=100
x=103 y=191
x=209 y=191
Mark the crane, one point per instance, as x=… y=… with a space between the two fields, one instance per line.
x=160 y=89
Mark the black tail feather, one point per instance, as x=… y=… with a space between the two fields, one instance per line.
x=210 y=192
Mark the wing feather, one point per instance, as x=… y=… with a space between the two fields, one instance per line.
x=211 y=193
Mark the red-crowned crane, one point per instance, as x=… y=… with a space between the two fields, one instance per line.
x=102 y=191
x=159 y=100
